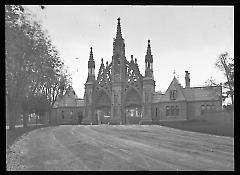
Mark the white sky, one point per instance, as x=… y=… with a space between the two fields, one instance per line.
x=182 y=38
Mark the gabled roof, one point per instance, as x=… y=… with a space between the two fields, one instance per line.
x=70 y=92
x=174 y=85
x=202 y=93
x=188 y=94
x=68 y=99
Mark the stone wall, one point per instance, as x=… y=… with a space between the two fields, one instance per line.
x=68 y=116
x=194 y=108
x=161 y=111
x=218 y=117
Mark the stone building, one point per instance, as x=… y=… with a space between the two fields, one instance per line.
x=68 y=108
x=120 y=94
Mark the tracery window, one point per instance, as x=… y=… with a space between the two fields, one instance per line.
x=172 y=110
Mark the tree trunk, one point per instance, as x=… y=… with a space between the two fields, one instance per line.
x=49 y=117
x=11 y=114
x=12 y=120
x=25 y=120
x=232 y=102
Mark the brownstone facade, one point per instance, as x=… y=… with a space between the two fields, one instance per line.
x=120 y=94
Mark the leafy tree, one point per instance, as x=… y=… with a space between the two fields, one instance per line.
x=226 y=65
x=33 y=66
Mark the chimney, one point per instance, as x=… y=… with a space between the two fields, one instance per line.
x=187 y=80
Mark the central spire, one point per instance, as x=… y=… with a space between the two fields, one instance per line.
x=148 y=48
x=119 y=33
x=91 y=55
x=148 y=57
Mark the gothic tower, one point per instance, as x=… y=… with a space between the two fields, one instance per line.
x=118 y=76
x=148 y=85
x=149 y=62
x=89 y=91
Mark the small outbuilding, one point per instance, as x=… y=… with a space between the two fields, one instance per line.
x=68 y=108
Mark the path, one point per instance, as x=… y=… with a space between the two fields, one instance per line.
x=132 y=147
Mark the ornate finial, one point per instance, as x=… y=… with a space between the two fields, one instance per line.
x=135 y=60
x=102 y=60
x=149 y=48
x=119 y=33
x=174 y=73
x=132 y=59
x=107 y=63
x=91 y=54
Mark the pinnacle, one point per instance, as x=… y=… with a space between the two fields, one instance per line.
x=119 y=33
x=91 y=54
x=148 y=48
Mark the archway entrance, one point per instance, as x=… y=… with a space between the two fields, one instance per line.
x=103 y=108
x=103 y=115
x=133 y=107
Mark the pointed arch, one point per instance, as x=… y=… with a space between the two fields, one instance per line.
x=103 y=99
x=132 y=97
x=104 y=79
x=133 y=76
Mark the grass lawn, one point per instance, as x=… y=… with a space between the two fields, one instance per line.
x=222 y=129
x=12 y=136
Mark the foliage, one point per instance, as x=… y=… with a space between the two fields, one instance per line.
x=225 y=64
x=33 y=65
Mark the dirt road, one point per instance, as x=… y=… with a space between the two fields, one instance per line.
x=132 y=147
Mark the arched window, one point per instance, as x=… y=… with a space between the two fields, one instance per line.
x=167 y=110
x=173 y=94
x=177 y=110
x=62 y=114
x=71 y=114
x=172 y=111
x=203 y=109
x=208 y=108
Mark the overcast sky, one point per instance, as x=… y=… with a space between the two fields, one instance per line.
x=182 y=38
